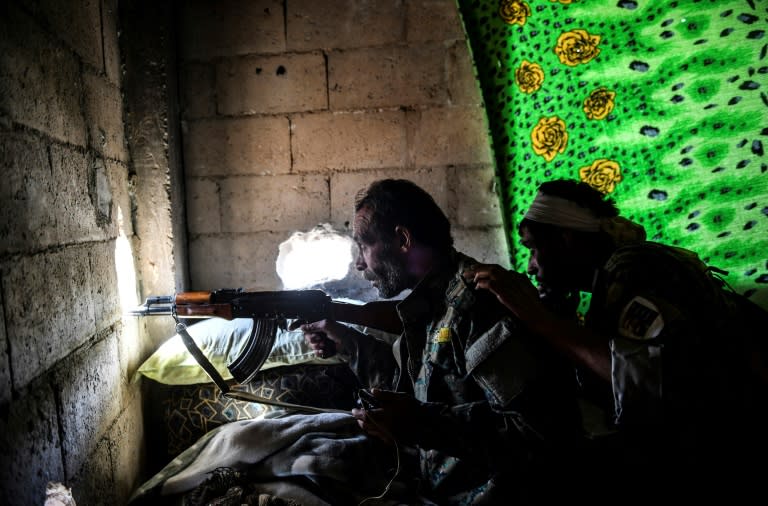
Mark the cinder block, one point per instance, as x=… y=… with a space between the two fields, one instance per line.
x=104 y=117
x=227 y=27
x=104 y=284
x=486 y=245
x=89 y=385
x=387 y=77
x=131 y=344
x=5 y=360
x=474 y=194
x=30 y=446
x=27 y=214
x=264 y=203
x=449 y=136
x=197 y=90
x=433 y=20
x=462 y=83
x=345 y=187
x=44 y=329
x=203 y=206
x=153 y=208
x=94 y=482
x=240 y=261
x=109 y=17
x=126 y=445
x=363 y=140
x=80 y=208
x=224 y=147
x=155 y=246
x=40 y=79
x=344 y=24
x=79 y=24
x=271 y=84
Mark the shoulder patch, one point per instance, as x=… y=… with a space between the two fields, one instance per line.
x=640 y=319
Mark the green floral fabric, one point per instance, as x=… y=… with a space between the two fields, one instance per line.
x=661 y=104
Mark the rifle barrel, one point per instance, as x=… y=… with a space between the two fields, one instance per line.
x=150 y=311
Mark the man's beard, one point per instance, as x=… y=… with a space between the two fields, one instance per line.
x=390 y=277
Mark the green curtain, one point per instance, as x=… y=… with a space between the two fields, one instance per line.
x=661 y=104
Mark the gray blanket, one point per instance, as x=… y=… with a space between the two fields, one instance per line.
x=315 y=459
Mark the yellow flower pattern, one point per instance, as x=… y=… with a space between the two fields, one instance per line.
x=549 y=137
x=529 y=76
x=514 y=12
x=602 y=175
x=577 y=46
x=660 y=108
x=599 y=103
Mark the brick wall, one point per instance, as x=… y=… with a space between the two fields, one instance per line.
x=68 y=412
x=289 y=108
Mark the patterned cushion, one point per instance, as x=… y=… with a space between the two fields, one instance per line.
x=186 y=412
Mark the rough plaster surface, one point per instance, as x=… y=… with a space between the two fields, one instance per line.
x=327 y=142
x=271 y=84
x=91 y=397
x=237 y=146
x=40 y=79
x=227 y=27
x=44 y=330
x=66 y=196
x=344 y=24
x=30 y=446
x=5 y=369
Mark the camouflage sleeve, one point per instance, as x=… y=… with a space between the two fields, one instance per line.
x=658 y=310
x=372 y=361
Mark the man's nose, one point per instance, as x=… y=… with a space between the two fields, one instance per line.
x=360 y=264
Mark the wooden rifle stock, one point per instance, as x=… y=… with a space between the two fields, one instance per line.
x=199 y=305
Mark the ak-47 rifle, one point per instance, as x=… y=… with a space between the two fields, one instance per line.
x=269 y=311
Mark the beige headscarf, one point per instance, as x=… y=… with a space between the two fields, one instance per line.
x=564 y=213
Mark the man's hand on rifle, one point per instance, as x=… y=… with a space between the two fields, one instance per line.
x=326 y=337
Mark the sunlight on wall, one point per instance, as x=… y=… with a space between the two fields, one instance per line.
x=126 y=269
x=317 y=256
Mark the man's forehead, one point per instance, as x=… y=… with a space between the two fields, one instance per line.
x=361 y=222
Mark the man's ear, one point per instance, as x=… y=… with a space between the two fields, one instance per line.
x=404 y=238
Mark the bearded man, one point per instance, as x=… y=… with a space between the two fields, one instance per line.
x=672 y=356
x=487 y=407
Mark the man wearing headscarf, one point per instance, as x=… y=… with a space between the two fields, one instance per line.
x=660 y=350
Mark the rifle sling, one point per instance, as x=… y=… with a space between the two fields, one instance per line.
x=200 y=358
x=220 y=382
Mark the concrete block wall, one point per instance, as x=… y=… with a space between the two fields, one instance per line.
x=290 y=107
x=68 y=411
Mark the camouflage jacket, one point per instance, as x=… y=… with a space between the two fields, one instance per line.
x=678 y=364
x=498 y=402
